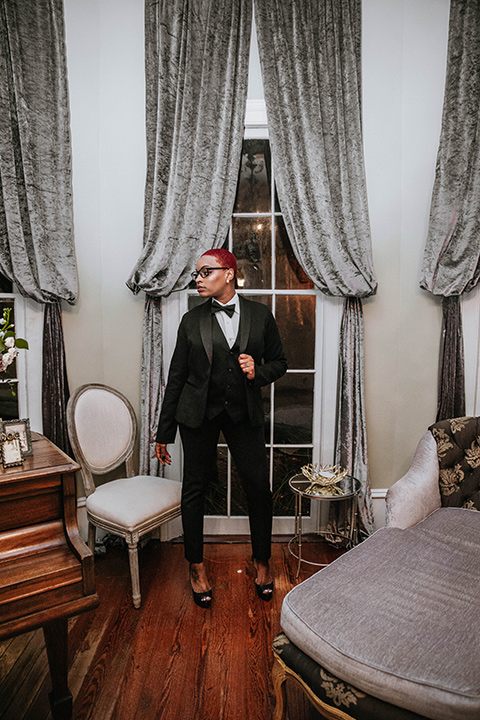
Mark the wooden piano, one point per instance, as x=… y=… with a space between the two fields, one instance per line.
x=46 y=570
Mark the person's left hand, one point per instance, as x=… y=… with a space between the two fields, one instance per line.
x=247 y=363
x=162 y=454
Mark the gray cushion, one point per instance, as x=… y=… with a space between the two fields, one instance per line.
x=397 y=616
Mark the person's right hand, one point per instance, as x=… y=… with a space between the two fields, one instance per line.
x=162 y=454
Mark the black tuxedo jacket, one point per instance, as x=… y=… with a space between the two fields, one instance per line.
x=185 y=398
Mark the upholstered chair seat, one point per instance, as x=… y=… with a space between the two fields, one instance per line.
x=133 y=503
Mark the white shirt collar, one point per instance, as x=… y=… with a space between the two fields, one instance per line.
x=233 y=301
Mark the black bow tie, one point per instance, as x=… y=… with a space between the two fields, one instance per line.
x=229 y=309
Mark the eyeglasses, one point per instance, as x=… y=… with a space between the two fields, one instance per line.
x=205 y=271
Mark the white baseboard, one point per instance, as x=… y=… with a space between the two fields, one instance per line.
x=378 y=504
x=173 y=529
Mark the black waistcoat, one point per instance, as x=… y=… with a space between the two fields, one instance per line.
x=226 y=390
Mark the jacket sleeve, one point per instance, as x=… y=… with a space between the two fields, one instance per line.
x=177 y=376
x=274 y=361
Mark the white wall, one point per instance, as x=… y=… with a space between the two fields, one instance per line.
x=404 y=54
x=105 y=55
x=404 y=60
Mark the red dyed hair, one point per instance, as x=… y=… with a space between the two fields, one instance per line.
x=224 y=257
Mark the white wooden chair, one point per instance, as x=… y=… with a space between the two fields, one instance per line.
x=102 y=429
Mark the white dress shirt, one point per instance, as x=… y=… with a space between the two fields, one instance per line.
x=229 y=325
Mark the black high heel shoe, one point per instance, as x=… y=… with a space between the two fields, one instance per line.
x=264 y=592
x=203 y=599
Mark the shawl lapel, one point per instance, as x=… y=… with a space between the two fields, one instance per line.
x=206 y=327
x=245 y=320
x=206 y=330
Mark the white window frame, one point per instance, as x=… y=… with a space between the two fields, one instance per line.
x=327 y=329
x=470 y=304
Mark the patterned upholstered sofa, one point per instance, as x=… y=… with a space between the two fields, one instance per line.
x=389 y=631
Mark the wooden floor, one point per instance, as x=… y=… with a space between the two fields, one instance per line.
x=169 y=660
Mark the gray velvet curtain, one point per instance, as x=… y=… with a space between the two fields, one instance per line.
x=36 y=228
x=55 y=391
x=153 y=384
x=451 y=385
x=351 y=449
x=196 y=88
x=451 y=263
x=310 y=57
x=311 y=64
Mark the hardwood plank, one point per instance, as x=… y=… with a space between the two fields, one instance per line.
x=9 y=651
x=40 y=706
x=97 y=668
x=169 y=659
x=34 y=680
x=224 y=689
x=15 y=685
x=156 y=672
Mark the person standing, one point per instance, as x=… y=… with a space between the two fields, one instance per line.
x=227 y=349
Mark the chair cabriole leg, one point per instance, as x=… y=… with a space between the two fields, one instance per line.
x=134 y=572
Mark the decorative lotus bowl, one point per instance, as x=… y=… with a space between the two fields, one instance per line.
x=323 y=479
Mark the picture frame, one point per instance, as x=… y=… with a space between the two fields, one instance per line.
x=11 y=449
x=23 y=428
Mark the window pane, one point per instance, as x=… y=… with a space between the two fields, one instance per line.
x=6 y=286
x=294 y=409
x=253 y=190
x=8 y=401
x=8 y=394
x=252 y=247
x=264 y=299
x=295 y=316
x=286 y=463
x=288 y=272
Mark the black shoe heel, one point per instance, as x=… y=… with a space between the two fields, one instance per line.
x=264 y=592
x=203 y=599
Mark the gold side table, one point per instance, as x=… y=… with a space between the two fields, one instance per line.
x=351 y=488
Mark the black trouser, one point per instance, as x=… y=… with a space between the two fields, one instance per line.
x=247 y=446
